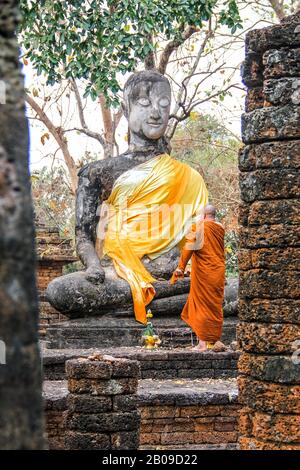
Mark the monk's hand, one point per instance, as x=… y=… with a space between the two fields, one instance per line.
x=178 y=273
x=95 y=274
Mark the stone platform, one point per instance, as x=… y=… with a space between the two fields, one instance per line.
x=155 y=364
x=175 y=414
x=103 y=332
x=116 y=326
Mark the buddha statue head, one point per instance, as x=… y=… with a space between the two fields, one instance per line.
x=147 y=100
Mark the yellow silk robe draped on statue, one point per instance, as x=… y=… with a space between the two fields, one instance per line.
x=150 y=210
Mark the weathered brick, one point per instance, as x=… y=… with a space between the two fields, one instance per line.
x=177 y=438
x=245 y=421
x=278 y=428
x=259 y=184
x=275 y=259
x=273 y=311
x=159 y=412
x=196 y=373
x=278 y=92
x=88 y=403
x=215 y=437
x=225 y=427
x=243 y=213
x=259 y=283
x=84 y=368
x=252 y=70
x=264 y=236
x=124 y=402
x=271 y=123
x=103 y=422
x=269 y=291
x=231 y=410
x=86 y=441
x=200 y=411
x=269 y=397
x=282 y=154
x=279 y=369
x=274 y=212
x=281 y=63
x=125 y=368
x=125 y=440
x=246 y=443
x=254 y=99
x=103 y=387
x=150 y=438
x=260 y=40
x=265 y=338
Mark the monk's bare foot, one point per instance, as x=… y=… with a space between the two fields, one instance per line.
x=201 y=347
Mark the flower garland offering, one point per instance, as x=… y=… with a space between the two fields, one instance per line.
x=149 y=338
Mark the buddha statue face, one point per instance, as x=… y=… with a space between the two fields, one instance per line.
x=147 y=106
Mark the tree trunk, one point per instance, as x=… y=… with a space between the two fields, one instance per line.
x=21 y=421
x=278 y=9
x=109 y=131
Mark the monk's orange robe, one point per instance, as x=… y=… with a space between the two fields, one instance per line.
x=203 y=310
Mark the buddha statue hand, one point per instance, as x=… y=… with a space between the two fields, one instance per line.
x=95 y=274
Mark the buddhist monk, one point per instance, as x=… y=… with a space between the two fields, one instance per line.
x=203 y=309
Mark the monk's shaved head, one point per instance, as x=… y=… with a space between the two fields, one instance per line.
x=209 y=211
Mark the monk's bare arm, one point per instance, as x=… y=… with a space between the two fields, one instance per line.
x=184 y=258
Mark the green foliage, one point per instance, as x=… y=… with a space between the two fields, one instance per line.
x=96 y=40
x=231 y=250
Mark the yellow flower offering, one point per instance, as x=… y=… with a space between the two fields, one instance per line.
x=149 y=314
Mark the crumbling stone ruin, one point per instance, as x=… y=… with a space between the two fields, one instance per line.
x=20 y=370
x=269 y=333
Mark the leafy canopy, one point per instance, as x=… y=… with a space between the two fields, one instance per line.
x=96 y=40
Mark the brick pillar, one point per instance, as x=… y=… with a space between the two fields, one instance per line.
x=269 y=377
x=102 y=405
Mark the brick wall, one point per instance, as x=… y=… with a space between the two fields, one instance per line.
x=185 y=425
x=269 y=382
x=53 y=253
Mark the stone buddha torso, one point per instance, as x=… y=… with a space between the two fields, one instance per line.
x=96 y=181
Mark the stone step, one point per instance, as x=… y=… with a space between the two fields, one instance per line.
x=175 y=414
x=158 y=363
x=107 y=331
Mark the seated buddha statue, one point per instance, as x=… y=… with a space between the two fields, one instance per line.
x=132 y=213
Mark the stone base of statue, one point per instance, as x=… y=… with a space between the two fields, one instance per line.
x=110 y=331
x=115 y=326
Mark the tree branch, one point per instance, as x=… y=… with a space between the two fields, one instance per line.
x=57 y=133
x=172 y=46
x=85 y=130
x=149 y=61
x=277 y=6
x=108 y=126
